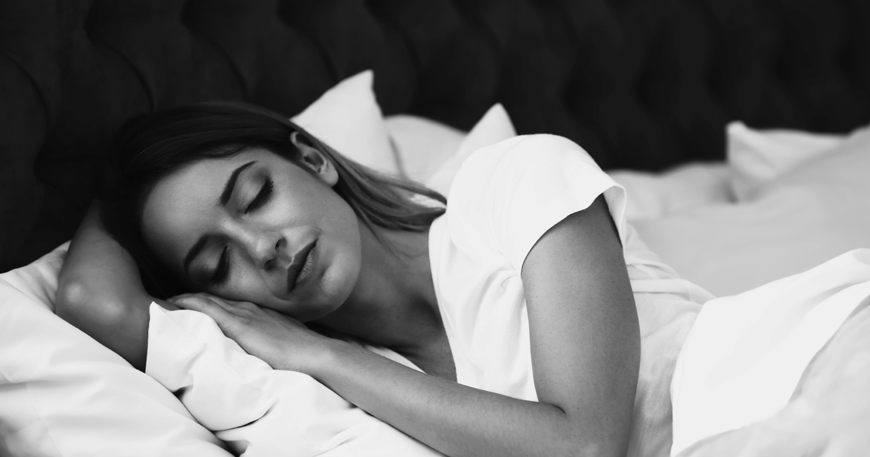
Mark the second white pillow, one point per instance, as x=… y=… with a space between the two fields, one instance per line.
x=493 y=127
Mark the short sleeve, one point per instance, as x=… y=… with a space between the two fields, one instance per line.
x=507 y=195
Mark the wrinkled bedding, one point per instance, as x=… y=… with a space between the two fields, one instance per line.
x=744 y=364
x=829 y=414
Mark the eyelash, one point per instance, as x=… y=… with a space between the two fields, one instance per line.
x=220 y=273
x=261 y=197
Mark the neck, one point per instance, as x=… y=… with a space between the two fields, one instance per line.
x=393 y=303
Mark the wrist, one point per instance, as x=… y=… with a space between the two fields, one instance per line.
x=327 y=355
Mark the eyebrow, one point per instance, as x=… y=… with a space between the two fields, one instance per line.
x=231 y=184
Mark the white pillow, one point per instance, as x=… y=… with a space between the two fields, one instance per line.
x=493 y=127
x=746 y=355
x=757 y=156
x=754 y=157
x=64 y=394
x=259 y=411
x=347 y=117
x=422 y=145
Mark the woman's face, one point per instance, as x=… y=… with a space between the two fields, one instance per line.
x=257 y=227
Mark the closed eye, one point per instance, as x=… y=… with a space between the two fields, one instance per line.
x=223 y=268
x=261 y=197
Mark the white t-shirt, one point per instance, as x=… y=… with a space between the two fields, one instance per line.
x=503 y=199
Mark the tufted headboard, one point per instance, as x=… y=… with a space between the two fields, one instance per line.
x=639 y=83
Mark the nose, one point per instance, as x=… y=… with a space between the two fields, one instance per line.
x=266 y=249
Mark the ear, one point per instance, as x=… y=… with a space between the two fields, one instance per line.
x=312 y=158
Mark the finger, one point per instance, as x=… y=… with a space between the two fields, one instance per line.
x=277 y=315
x=233 y=305
x=178 y=297
x=227 y=305
x=246 y=305
x=272 y=313
x=207 y=306
x=217 y=301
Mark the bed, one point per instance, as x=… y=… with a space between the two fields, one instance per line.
x=736 y=127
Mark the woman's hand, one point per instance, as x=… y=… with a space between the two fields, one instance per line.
x=282 y=342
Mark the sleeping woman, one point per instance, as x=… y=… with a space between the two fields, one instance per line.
x=543 y=324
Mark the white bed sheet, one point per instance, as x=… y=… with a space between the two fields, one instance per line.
x=791 y=201
x=746 y=354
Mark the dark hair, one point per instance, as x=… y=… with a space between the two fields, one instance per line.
x=150 y=147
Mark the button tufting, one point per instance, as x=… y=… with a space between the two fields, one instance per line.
x=639 y=83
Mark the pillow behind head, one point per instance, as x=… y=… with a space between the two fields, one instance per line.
x=422 y=145
x=493 y=127
x=347 y=118
x=431 y=152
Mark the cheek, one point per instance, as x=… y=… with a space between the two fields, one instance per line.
x=340 y=258
x=348 y=228
x=342 y=274
x=245 y=284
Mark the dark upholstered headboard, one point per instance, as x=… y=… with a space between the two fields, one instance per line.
x=639 y=83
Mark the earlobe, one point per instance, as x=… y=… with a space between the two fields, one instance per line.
x=315 y=160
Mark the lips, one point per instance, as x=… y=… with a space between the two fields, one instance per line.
x=301 y=265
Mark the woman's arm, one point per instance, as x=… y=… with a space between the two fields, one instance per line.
x=585 y=353
x=585 y=346
x=99 y=291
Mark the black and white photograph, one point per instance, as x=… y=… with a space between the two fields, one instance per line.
x=422 y=228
